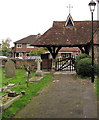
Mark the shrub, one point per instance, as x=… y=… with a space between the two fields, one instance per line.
x=36 y=52
x=79 y=57
x=84 y=67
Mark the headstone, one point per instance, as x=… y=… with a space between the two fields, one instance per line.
x=10 y=69
x=26 y=74
x=38 y=72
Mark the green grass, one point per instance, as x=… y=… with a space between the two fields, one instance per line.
x=15 y=80
x=31 y=91
x=96 y=84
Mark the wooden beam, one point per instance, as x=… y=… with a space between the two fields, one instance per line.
x=53 y=50
x=82 y=50
x=87 y=49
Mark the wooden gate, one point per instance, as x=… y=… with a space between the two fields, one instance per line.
x=65 y=64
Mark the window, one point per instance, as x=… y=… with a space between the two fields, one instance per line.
x=27 y=54
x=28 y=46
x=65 y=55
x=20 y=54
x=19 y=45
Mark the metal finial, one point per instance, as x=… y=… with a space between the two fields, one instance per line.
x=69 y=7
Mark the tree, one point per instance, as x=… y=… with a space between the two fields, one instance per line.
x=6 y=46
x=36 y=52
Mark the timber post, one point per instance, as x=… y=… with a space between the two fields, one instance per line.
x=53 y=64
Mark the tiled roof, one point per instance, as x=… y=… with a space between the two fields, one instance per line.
x=28 y=40
x=69 y=49
x=60 y=35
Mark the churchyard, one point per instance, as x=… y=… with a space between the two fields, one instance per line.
x=17 y=88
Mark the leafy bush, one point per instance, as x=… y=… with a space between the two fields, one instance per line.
x=84 y=67
x=79 y=57
x=36 y=52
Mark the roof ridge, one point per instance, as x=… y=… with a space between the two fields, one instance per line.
x=26 y=39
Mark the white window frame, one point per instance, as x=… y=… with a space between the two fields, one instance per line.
x=19 y=45
x=28 y=46
x=20 y=54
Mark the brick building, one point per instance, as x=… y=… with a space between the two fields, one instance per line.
x=69 y=51
x=22 y=47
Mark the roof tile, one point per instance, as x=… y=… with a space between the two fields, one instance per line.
x=60 y=35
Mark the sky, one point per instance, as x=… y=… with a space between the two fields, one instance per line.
x=21 y=18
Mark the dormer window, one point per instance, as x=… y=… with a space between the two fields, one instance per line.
x=69 y=22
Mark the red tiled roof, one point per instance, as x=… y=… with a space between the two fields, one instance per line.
x=69 y=49
x=60 y=35
x=28 y=40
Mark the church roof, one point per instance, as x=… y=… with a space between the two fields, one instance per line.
x=61 y=35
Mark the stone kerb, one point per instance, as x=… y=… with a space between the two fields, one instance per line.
x=8 y=104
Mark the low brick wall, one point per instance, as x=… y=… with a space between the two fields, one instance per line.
x=19 y=63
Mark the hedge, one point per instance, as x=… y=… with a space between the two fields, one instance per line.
x=84 y=67
x=79 y=57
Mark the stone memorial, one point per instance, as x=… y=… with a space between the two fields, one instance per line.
x=39 y=72
x=26 y=75
x=10 y=68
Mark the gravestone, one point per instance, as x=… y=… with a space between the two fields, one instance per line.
x=39 y=72
x=10 y=68
x=26 y=75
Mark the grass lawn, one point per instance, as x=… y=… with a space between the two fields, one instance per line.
x=15 y=80
x=97 y=87
x=31 y=91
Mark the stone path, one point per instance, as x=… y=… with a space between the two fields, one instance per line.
x=66 y=97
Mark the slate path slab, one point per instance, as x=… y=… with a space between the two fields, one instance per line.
x=66 y=97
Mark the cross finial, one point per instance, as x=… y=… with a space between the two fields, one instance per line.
x=69 y=7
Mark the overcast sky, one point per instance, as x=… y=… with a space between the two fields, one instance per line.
x=21 y=18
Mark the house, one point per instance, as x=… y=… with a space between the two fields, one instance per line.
x=22 y=47
x=68 y=52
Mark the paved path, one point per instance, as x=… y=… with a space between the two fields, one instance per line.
x=66 y=97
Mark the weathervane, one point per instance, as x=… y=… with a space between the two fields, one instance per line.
x=69 y=8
